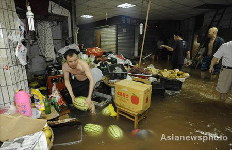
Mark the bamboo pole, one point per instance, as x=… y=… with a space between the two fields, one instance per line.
x=145 y=29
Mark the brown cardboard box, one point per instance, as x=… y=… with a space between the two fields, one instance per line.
x=16 y=126
x=133 y=96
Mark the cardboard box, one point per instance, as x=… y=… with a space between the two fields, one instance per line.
x=133 y=96
x=12 y=127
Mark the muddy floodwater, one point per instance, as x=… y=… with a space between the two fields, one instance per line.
x=193 y=119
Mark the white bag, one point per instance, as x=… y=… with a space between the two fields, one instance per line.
x=21 y=53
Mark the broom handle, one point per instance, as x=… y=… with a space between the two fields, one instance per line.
x=145 y=29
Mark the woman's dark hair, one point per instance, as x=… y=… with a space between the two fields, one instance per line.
x=178 y=33
x=70 y=53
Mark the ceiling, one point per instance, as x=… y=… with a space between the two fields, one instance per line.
x=160 y=9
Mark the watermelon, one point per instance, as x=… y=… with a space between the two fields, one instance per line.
x=80 y=103
x=115 y=131
x=106 y=111
x=93 y=129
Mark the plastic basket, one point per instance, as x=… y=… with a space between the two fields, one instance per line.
x=158 y=88
x=117 y=71
x=66 y=131
x=142 y=76
x=157 y=85
x=50 y=145
x=102 y=103
x=171 y=84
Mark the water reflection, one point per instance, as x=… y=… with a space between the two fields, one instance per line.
x=195 y=111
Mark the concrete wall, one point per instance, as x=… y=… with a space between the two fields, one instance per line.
x=188 y=27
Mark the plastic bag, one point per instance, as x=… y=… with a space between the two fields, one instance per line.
x=56 y=97
x=71 y=46
x=39 y=99
x=21 y=53
x=94 y=51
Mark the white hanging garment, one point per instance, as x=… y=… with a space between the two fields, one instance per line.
x=45 y=40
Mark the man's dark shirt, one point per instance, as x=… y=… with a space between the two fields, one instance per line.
x=179 y=53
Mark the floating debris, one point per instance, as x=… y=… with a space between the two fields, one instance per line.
x=228 y=129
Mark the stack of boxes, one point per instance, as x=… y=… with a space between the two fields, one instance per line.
x=12 y=74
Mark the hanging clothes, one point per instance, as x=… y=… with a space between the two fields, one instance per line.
x=45 y=40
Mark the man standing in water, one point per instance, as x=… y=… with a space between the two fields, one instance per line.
x=212 y=44
x=224 y=84
x=180 y=51
x=81 y=82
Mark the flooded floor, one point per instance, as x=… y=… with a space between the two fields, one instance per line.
x=194 y=119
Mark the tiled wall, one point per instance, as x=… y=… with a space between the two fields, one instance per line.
x=12 y=74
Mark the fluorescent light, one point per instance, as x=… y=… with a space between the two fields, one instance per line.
x=86 y=16
x=126 y=5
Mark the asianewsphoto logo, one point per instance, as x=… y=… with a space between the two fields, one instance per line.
x=202 y=138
